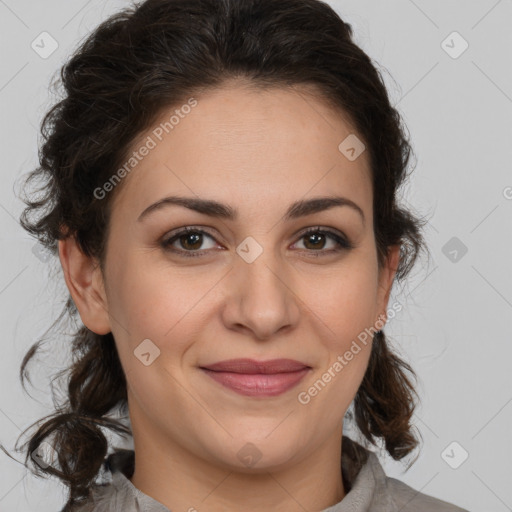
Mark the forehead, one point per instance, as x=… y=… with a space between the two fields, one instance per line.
x=242 y=145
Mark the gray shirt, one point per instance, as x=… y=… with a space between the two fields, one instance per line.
x=367 y=488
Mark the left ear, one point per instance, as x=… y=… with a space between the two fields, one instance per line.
x=386 y=279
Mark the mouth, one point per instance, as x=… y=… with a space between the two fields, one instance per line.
x=257 y=378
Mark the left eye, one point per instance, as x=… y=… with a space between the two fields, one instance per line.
x=315 y=236
x=191 y=240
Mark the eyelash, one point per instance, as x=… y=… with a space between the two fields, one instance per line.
x=343 y=243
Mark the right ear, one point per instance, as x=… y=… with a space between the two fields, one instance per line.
x=85 y=283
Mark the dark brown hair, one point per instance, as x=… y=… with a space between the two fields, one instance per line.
x=153 y=56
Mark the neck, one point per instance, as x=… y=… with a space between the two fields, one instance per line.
x=182 y=481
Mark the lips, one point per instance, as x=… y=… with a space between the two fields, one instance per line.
x=257 y=378
x=250 y=366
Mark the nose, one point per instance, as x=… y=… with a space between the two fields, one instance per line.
x=260 y=297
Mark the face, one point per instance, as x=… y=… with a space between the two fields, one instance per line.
x=250 y=285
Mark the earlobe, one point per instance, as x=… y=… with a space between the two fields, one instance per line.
x=85 y=283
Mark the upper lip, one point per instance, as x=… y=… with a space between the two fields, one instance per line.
x=253 y=366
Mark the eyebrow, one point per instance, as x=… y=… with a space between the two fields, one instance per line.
x=223 y=211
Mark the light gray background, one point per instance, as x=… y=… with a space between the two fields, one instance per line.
x=454 y=327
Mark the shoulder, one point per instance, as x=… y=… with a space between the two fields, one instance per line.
x=100 y=499
x=393 y=495
x=371 y=490
x=408 y=499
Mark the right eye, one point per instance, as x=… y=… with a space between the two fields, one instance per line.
x=190 y=239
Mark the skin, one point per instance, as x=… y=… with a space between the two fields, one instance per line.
x=257 y=151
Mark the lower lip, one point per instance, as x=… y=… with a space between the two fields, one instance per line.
x=258 y=384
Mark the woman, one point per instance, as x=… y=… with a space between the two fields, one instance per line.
x=221 y=181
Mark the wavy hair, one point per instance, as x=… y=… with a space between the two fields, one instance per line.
x=149 y=57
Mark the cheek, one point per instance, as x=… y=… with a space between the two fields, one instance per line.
x=149 y=302
x=345 y=302
x=139 y=296
x=148 y=305
x=344 y=313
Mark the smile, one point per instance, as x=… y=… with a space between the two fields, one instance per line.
x=257 y=379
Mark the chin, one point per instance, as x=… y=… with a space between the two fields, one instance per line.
x=258 y=455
